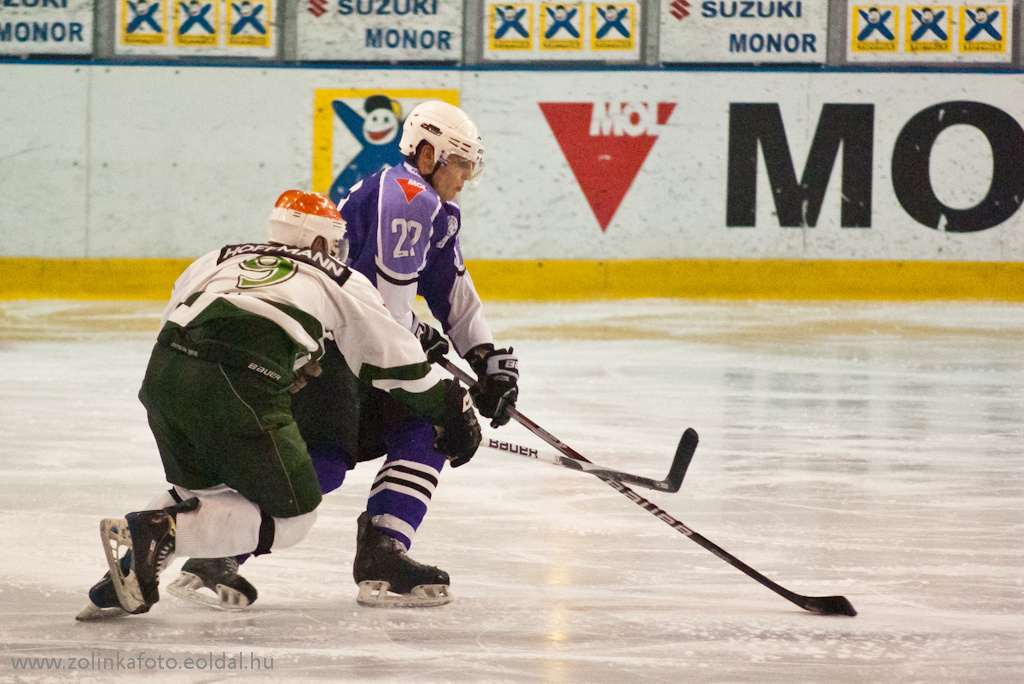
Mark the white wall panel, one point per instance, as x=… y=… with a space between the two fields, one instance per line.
x=43 y=159
x=181 y=160
x=185 y=159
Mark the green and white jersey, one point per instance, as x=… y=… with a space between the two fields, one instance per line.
x=312 y=297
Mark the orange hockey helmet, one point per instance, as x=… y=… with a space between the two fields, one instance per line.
x=299 y=217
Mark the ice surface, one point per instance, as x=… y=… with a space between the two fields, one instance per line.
x=869 y=450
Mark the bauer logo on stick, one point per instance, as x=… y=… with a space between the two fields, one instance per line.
x=511 y=448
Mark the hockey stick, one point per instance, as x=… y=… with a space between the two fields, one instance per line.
x=576 y=461
x=822 y=605
x=671 y=483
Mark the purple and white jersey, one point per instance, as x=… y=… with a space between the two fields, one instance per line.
x=405 y=240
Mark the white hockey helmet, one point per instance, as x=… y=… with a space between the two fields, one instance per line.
x=300 y=217
x=447 y=128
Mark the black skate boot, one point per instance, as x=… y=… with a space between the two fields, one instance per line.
x=148 y=537
x=103 y=602
x=230 y=590
x=381 y=565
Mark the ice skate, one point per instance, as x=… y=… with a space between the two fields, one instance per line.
x=103 y=602
x=148 y=536
x=387 y=577
x=213 y=582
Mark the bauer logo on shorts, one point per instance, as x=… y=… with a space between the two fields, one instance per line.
x=263 y=370
x=605 y=144
x=875 y=28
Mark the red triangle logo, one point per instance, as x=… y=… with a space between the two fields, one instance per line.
x=410 y=187
x=605 y=145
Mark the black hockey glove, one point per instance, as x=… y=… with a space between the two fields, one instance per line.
x=432 y=341
x=497 y=386
x=459 y=436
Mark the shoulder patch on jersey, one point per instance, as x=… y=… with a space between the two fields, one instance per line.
x=453 y=228
x=410 y=187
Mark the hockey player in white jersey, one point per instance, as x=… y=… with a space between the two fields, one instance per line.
x=402 y=230
x=245 y=328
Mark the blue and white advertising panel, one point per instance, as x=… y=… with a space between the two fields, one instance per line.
x=216 y=28
x=793 y=31
x=562 y=31
x=46 y=27
x=912 y=31
x=380 y=30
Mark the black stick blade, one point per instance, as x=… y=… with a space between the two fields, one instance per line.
x=681 y=461
x=829 y=605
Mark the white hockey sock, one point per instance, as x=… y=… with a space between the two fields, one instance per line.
x=161 y=500
x=228 y=524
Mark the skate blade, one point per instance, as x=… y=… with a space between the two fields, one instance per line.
x=93 y=612
x=374 y=593
x=187 y=587
x=115 y=535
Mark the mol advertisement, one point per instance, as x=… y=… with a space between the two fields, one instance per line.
x=776 y=165
x=605 y=144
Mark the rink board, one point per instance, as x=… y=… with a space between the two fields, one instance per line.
x=777 y=183
x=141 y=279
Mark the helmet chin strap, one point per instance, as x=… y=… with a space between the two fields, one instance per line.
x=429 y=177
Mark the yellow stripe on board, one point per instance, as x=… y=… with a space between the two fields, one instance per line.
x=748 y=279
x=29 y=278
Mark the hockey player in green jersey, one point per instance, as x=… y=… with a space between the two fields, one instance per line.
x=245 y=327
x=402 y=233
